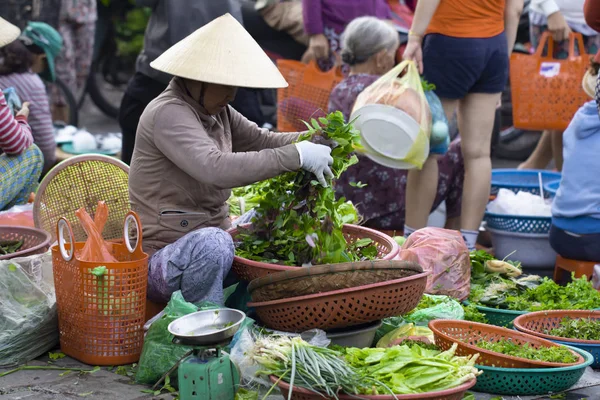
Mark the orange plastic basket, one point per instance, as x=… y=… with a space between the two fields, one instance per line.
x=546 y=92
x=467 y=334
x=537 y=323
x=101 y=318
x=307 y=95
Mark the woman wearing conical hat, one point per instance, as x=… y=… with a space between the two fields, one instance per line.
x=192 y=148
x=21 y=161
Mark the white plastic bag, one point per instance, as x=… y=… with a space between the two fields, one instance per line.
x=241 y=352
x=28 y=316
x=522 y=203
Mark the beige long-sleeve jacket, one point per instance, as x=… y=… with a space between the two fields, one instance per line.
x=186 y=162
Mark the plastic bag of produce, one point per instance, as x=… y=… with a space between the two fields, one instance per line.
x=435 y=307
x=444 y=253
x=407 y=332
x=159 y=354
x=440 y=132
x=401 y=88
x=28 y=316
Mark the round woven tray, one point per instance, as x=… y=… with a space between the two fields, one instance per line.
x=535 y=323
x=343 y=308
x=35 y=241
x=330 y=277
x=299 y=393
x=531 y=381
x=249 y=270
x=467 y=334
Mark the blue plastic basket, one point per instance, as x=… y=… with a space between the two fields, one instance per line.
x=517 y=223
x=551 y=188
x=521 y=180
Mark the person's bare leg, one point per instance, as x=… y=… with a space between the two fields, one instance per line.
x=453 y=223
x=542 y=154
x=557 y=149
x=421 y=185
x=476 y=114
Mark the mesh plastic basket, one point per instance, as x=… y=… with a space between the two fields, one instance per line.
x=552 y=187
x=498 y=317
x=82 y=181
x=531 y=381
x=521 y=180
x=249 y=270
x=100 y=318
x=343 y=308
x=325 y=278
x=298 y=393
x=518 y=224
x=306 y=96
x=537 y=323
x=467 y=334
x=35 y=241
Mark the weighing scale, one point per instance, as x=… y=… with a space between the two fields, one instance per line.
x=206 y=372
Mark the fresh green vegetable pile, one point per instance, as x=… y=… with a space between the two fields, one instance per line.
x=473 y=314
x=407 y=369
x=299 y=222
x=10 y=246
x=557 y=354
x=411 y=369
x=300 y=364
x=577 y=328
x=527 y=292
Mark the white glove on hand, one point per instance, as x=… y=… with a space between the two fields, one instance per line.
x=315 y=158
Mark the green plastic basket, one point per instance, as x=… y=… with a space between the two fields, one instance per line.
x=498 y=317
x=531 y=381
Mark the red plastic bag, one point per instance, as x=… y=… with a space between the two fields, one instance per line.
x=444 y=253
x=96 y=249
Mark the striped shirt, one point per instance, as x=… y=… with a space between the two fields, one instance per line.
x=31 y=88
x=15 y=133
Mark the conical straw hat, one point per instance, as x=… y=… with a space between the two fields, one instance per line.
x=221 y=52
x=8 y=32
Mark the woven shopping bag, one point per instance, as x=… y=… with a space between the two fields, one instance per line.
x=307 y=95
x=546 y=92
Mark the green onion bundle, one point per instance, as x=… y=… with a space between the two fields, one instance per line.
x=300 y=364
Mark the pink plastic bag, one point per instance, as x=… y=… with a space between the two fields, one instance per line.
x=445 y=254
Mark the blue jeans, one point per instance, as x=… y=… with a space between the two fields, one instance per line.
x=574 y=246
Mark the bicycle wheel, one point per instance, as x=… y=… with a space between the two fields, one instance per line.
x=107 y=83
x=72 y=109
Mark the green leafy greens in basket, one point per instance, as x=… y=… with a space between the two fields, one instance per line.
x=527 y=292
x=557 y=354
x=299 y=221
x=577 y=328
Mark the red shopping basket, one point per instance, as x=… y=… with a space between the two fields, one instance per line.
x=101 y=313
x=306 y=96
x=546 y=92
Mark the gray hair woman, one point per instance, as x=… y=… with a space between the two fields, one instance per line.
x=369 y=47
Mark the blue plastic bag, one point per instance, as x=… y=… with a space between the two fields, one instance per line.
x=440 y=132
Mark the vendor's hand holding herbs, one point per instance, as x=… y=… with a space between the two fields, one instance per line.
x=316 y=158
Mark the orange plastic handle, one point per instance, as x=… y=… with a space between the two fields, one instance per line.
x=547 y=39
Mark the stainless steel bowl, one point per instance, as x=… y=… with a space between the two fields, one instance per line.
x=207 y=327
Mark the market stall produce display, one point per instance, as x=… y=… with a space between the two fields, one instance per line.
x=500 y=350
x=502 y=295
x=395 y=370
x=576 y=328
x=299 y=222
